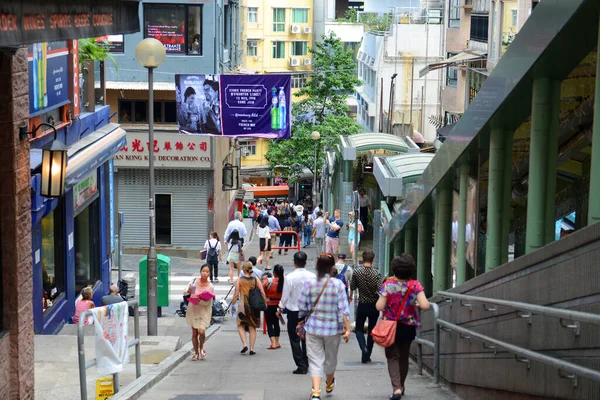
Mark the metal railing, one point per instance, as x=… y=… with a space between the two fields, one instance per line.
x=523 y=310
x=84 y=365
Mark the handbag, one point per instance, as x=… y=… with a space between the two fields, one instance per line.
x=255 y=298
x=384 y=333
x=203 y=254
x=300 y=329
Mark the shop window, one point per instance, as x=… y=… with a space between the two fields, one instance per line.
x=163 y=219
x=87 y=254
x=300 y=16
x=454 y=19
x=299 y=48
x=170 y=111
x=53 y=279
x=178 y=27
x=136 y=111
x=253 y=14
x=252 y=46
x=299 y=80
x=279 y=20
x=278 y=49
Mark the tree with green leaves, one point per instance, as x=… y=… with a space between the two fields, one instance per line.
x=323 y=109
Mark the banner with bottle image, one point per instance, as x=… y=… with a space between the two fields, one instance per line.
x=234 y=105
x=48 y=76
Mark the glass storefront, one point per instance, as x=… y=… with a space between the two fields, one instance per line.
x=53 y=279
x=87 y=255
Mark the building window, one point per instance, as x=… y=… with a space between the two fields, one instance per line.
x=278 y=49
x=454 y=19
x=87 y=254
x=53 y=279
x=177 y=27
x=299 y=80
x=253 y=14
x=514 y=17
x=300 y=15
x=299 y=48
x=136 y=111
x=252 y=46
x=248 y=148
x=479 y=27
x=279 y=20
x=451 y=73
x=163 y=219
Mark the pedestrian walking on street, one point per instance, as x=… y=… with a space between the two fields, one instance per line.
x=292 y=287
x=368 y=282
x=248 y=317
x=318 y=232
x=353 y=241
x=399 y=299
x=307 y=228
x=199 y=311
x=214 y=255
x=264 y=235
x=237 y=224
x=234 y=246
x=324 y=304
x=273 y=289
x=332 y=242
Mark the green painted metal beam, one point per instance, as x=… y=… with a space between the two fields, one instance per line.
x=461 y=251
x=506 y=195
x=593 y=202
x=443 y=238
x=410 y=246
x=552 y=138
x=535 y=234
x=347 y=171
x=493 y=251
x=424 y=245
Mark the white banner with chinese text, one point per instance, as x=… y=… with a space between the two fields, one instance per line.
x=111 y=324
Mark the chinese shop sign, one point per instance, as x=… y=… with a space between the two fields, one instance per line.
x=170 y=151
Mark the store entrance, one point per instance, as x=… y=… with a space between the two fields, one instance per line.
x=87 y=252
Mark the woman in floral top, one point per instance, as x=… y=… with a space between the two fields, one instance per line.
x=391 y=296
x=328 y=321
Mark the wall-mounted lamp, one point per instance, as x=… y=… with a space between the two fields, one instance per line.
x=230 y=177
x=54 y=162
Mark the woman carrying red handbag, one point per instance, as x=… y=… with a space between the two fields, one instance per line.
x=399 y=299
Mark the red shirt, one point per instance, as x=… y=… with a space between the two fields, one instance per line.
x=272 y=294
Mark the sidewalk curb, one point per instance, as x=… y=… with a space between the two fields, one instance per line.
x=138 y=387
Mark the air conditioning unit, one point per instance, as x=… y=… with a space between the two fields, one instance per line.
x=308 y=61
x=245 y=152
x=252 y=43
x=294 y=62
x=307 y=29
x=295 y=28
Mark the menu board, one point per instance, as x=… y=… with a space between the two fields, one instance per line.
x=166 y=24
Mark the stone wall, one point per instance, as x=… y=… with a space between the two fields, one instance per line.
x=16 y=340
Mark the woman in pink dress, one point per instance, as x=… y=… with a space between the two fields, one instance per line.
x=199 y=311
x=84 y=304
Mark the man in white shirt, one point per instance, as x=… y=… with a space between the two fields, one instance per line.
x=314 y=215
x=365 y=206
x=236 y=224
x=318 y=232
x=292 y=286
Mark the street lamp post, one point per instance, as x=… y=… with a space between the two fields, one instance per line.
x=150 y=53
x=315 y=136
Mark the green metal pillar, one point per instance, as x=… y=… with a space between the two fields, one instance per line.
x=424 y=247
x=506 y=195
x=495 y=206
x=443 y=237
x=347 y=170
x=410 y=247
x=593 y=203
x=542 y=121
x=552 y=138
x=461 y=251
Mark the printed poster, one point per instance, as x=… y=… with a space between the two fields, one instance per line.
x=111 y=326
x=48 y=76
x=234 y=105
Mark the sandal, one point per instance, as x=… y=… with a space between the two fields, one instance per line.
x=202 y=354
x=316 y=394
x=271 y=347
x=195 y=358
x=330 y=386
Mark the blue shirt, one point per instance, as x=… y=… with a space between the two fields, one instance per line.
x=327 y=318
x=274 y=224
x=335 y=234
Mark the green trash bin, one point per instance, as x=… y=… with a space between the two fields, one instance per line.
x=164 y=270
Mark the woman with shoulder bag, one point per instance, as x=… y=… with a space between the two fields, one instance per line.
x=324 y=307
x=234 y=246
x=248 y=316
x=399 y=299
x=273 y=289
x=199 y=310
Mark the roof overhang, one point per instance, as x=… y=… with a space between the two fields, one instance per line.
x=392 y=173
x=350 y=145
x=458 y=59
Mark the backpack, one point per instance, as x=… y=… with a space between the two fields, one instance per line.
x=212 y=257
x=342 y=276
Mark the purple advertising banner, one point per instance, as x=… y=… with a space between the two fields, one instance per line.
x=234 y=105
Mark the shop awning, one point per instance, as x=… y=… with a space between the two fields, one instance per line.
x=25 y=22
x=350 y=145
x=458 y=59
x=393 y=172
